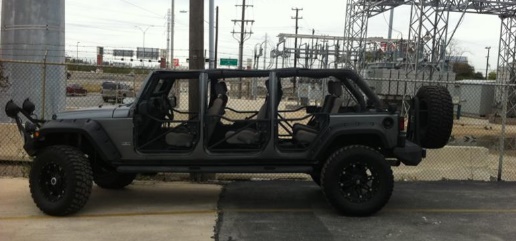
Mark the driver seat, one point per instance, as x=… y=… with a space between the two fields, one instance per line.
x=216 y=110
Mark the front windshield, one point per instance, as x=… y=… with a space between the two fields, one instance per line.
x=130 y=101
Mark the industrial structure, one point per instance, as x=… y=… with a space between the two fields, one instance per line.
x=429 y=35
x=404 y=63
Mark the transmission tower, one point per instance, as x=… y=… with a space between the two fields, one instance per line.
x=429 y=36
x=245 y=33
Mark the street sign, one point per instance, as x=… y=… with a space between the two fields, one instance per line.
x=147 y=53
x=123 y=53
x=229 y=62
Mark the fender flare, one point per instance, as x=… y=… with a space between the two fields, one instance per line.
x=327 y=140
x=90 y=129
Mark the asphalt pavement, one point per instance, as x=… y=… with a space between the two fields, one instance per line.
x=296 y=210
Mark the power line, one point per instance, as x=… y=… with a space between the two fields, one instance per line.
x=141 y=8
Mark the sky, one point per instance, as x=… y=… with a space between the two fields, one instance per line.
x=113 y=25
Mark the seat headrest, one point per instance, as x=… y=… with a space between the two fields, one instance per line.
x=221 y=88
x=331 y=87
x=337 y=89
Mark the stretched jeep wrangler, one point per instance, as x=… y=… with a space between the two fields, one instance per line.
x=236 y=121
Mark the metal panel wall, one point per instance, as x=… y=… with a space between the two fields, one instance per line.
x=33 y=31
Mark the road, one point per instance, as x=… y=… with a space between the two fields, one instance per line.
x=296 y=210
x=264 y=210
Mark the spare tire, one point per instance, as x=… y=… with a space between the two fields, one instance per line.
x=435 y=120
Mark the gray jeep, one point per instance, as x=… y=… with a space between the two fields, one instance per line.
x=236 y=121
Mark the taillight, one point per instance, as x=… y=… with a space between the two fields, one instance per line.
x=401 y=123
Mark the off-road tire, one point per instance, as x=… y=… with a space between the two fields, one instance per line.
x=435 y=116
x=60 y=180
x=357 y=180
x=108 y=178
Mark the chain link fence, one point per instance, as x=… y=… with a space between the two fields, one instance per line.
x=482 y=145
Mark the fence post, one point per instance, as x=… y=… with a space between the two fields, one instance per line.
x=44 y=87
x=502 y=135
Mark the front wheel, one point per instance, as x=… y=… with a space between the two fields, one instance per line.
x=60 y=180
x=357 y=181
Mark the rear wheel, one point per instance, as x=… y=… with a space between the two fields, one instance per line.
x=60 y=180
x=357 y=181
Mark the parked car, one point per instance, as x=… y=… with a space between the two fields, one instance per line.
x=347 y=144
x=75 y=90
x=116 y=91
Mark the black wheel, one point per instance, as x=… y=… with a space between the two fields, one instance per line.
x=109 y=178
x=60 y=180
x=357 y=181
x=435 y=116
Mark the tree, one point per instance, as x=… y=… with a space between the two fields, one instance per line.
x=453 y=49
x=478 y=75
x=491 y=75
x=463 y=71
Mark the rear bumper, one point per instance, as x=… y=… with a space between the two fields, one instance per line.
x=411 y=154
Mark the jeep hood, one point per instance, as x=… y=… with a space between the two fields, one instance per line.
x=94 y=113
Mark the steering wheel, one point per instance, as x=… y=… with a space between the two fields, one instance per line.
x=162 y=107
x=166 y=107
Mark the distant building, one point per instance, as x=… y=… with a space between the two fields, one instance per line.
x=457 y=59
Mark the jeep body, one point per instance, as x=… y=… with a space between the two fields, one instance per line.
x=203 y=122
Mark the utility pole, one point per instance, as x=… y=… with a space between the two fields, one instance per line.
x=265 y=52
x=169 y=46
x=216 y=35
x=77 y=58
x=244 y=34
x=196 y=62
x=487 y=62
x=295 y=40
x=211 y=48
x=196 y=53
x=172 y=19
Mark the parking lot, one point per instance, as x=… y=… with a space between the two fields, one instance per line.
x=265 y=210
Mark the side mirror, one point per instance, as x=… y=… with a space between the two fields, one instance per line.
x=11 y=109
x=28 y=106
